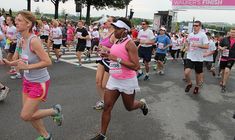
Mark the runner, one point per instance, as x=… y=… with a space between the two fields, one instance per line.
x=175 y=47
x=11 y=41
x=163 y=42
x=227 y=45
x=4 y=90
x=102 y=73
x=70 y=36
x=36 y=78
x=45 y=32
x=146 y=40
x=122 y=81
x=57 y=39
x=81 y=35
x=208 y=57
x=197 y=43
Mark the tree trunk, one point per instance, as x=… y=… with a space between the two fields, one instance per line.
x=29 y=5
x=56 y=9
x=88 y=13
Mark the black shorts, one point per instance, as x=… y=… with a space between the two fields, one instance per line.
x=227 y=64
x=12 y=48
x=207 y=64
x=160 y=57
x=145 y=53
x=80 y=48
x=94 y=42
x=105 y=63
x=56 y=46
x=44 y=37
x=64 y=43
x=196 y=65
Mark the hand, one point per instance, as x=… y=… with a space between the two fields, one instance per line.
x=22 y=66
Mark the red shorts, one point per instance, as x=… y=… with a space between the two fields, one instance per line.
x=36 y=90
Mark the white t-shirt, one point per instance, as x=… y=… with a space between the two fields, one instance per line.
x=175 y=44
x=146 y=35
x=2 y=19
x=46 y=30
x=211 y=48
x=95 y=34
x=88 y=41
x=196 y=53
x=56 y=32
x=11 y=32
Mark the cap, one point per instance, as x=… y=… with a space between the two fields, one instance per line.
x=121 y=24
x=163 y=28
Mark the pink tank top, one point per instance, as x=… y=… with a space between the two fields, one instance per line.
x=117 y=70
x=106 y=42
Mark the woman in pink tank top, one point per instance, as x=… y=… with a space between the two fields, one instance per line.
x=124 y=63
x=102 y=73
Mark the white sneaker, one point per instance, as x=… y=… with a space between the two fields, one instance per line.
x=99 y=105
x=4 y=93
x=17 y=76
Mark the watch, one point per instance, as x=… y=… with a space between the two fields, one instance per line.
x=119 y=60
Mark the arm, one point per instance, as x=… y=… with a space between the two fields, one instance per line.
x=39 y=51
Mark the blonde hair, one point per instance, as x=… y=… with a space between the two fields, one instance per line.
x=54 y=21
x=29 y=17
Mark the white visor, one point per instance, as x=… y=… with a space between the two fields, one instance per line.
x=121 y=24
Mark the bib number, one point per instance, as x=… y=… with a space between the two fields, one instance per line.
x=115 y=68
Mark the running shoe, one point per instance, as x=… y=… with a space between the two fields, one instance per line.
x=17 y=76
x=196 y=90
x=144 y=107
x=99 y=105
x=188 y=87
x=99 y=137
x=140 y=75
x=42 y=138
x=146 y=78
x=155 y=68
x=3 y=93
x=57 y=61
x=161 y=72
x=58 y=117
x=223 y=89
x=234 y=115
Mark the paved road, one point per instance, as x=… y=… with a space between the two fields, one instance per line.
x=173 y=115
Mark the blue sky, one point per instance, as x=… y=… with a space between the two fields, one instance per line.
x=142 y=9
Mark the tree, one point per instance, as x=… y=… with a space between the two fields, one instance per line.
x=37 y=11
x=102 y=4
x=56 y=4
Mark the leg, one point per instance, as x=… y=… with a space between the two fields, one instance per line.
x=146 y=66
x=99 y=78
x=226 y=76
x=130 y=103
x=110 y=98
x=105 y=80
x=79 y=54
x=31 y=113
x=187 y=73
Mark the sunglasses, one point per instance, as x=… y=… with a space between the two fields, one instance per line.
x=196 y=25
x=143 y=24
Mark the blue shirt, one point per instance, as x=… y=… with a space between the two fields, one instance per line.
x=162 y=41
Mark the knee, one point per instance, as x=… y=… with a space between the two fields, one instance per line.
x=25 y=116
x=107 y=107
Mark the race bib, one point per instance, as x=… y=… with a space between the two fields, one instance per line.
x=191 y=48
x=25 y=58
x=160 y=45
x=225 y=53
x=79 y=34
x=115 y=68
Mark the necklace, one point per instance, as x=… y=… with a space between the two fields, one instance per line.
x=121 y=40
